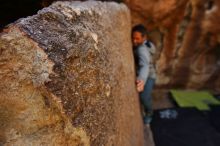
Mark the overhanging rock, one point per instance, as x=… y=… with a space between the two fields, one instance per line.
x=67 y=78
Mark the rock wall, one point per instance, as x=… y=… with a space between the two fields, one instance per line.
x=188 y=40
x=67 y=78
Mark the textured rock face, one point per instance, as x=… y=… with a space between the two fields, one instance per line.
x=187 y=37
x=67 y=78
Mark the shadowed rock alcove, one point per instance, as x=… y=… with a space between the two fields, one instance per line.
x=187 y=36
x=11 y=10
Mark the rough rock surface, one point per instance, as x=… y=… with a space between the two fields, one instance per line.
x=187 y=36
x=67 y=78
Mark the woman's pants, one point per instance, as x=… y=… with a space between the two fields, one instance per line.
x=146 y=96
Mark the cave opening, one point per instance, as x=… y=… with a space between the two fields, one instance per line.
x=11 y=10
x=209 y=5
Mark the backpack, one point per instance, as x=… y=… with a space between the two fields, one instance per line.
x=152 y=51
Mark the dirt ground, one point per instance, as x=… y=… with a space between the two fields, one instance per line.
x=161 y=99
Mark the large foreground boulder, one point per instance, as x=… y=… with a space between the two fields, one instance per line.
x=67 y=78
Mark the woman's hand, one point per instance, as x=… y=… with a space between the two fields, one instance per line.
x=140 y=85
